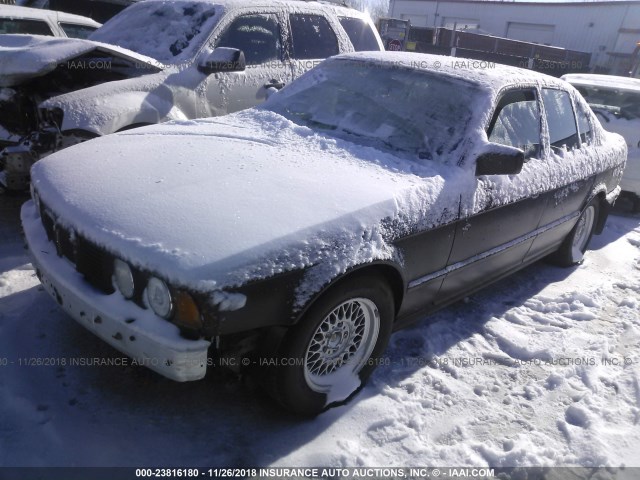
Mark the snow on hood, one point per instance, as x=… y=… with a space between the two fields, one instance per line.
x=23 y=57
x=237 y=198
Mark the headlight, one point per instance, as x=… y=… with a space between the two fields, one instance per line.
x=159 y=297
x=123 y=278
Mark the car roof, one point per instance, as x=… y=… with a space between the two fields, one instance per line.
x=337 y=5
x=14 y=11
x=626 y=84
x=492 y=76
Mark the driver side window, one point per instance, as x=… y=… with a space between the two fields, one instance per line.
x=258 y=36
x=516 y=122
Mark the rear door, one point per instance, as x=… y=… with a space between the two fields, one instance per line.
x=312 y=38
x=570 y=148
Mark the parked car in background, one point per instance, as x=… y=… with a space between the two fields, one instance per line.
x=189 y=62
x=99 y=10
x=293 y=237
x=35 y=21
x=616 y=102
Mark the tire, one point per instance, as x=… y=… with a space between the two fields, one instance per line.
x=571 y=252
x=328 y=356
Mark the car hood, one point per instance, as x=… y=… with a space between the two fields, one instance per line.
x=24 y=57
x=238 y=198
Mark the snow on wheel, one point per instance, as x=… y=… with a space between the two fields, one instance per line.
x=329 y=355
x=572 y=250
x=582 y=234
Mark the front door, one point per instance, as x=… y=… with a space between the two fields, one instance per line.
x=260 y=37
x=499 y=218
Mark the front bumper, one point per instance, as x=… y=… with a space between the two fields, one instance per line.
x=138 y=333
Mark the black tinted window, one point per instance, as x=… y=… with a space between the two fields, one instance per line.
x=360 y=34
x=516 y=122
x=258 y=36
x=28 y=27
x=74 y=30
x=312 y=37
x=560 y=118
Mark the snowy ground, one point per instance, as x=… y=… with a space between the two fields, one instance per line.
x=514 y=376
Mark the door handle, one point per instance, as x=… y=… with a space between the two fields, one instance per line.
x=277 y=84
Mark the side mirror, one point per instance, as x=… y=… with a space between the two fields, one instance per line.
x=499 y=160
x=223 y=59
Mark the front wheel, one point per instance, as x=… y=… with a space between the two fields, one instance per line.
x=571 y=252
x=329 y=355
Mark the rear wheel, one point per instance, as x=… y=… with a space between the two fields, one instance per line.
x=329 y=355
x=571 y=252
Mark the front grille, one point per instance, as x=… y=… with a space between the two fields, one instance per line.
x=94 y=263
x=48 y=223
x=65 y=244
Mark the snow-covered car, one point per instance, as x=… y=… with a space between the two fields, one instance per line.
x=616 y=102
x=293 y=237
x=193 y=58
x=36 y=21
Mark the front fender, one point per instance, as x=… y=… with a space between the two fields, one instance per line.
x=311 y=287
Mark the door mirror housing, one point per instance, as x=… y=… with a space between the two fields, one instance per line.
x=499 y=159
x=223 y=59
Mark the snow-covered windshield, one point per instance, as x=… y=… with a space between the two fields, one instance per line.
x=623 y=102
x=169 y=31
x=404 y=109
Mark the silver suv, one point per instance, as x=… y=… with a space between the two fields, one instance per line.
x=160 y=60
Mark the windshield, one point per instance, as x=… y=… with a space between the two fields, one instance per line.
x=170 y=32
x=625 y=103
x=403 y=109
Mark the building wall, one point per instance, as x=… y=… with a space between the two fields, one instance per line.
x=601 y=28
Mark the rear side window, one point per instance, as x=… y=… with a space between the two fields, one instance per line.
x=312 y=37
x=360 y=34
x=22 y=26
x=73 y=30
x=516 y=122
x=584 y=126
x=258 y=36
x=560 y=118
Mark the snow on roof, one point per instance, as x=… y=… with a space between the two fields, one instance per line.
x=627 y=84
x=492 y=76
